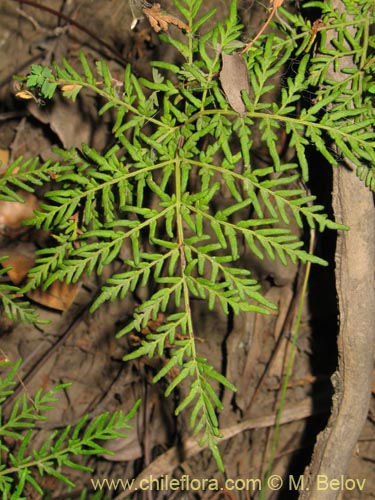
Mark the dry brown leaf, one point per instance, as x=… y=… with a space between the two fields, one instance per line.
x=65 y=121
x=4 y=156
x=160 y=22
x=152 y=420
x=59 y=296
x=69 y=87
x=20 y=267
x=141 y=39
x=13 y=213
x=234 y=78
x=124 y=449
x=24 y=94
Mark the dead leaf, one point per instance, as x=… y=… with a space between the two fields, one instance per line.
x=31 y=141
x=84 y=343
x=152 y=420
x=124 y=449
x=160 y=22
x=20 y=265
x=58 y=296
x=68 y=124
x=234 y=78
x=141 y=39
x=69 y=87
x=4 y=156
x=13 y=213
x=73 y=124
x=24 y=94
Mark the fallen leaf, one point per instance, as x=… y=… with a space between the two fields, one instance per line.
x=234 y=78
x=153 y=419
x=4 y=156
x=73 y=124
x=124 y=449
x=59 y=295
x=13 y=213
x=20 y=265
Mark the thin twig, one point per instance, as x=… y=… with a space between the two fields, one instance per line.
x=79 y=26
x=168 y=461
x=47 y=354
x=275 y=5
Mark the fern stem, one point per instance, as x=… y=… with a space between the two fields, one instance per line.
x=289 y=368
x=181 y=245
x=111 y=98
x=71 y=450
x=186 y=295
x=365 y=42
x=284 y=119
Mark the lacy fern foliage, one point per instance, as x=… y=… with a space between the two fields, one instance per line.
x=178 y=151
x=21 y=460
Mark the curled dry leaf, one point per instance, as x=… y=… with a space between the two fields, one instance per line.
x=70 y=87
x=24 y=94
x=160 y=22
x=234 y=78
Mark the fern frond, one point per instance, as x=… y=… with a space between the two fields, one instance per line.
x=56 y=452
x=15 y=309
x=180 y=188
x=25 y=175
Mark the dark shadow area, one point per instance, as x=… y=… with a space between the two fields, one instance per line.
x=323 y=323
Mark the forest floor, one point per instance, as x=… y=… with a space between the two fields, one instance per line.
x=79 y=347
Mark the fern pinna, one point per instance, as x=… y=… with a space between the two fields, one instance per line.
x=56 y=454
x=178 y=145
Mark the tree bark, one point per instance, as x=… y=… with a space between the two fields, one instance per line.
x=355 y=258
